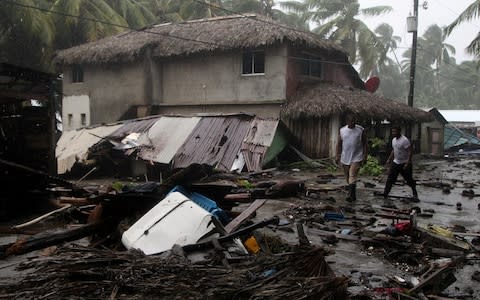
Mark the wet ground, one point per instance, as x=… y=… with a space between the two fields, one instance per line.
x=366 y=267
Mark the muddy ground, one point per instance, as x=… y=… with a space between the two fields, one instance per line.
x=367 y=267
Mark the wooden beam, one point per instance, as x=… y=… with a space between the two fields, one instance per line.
x=235 y=223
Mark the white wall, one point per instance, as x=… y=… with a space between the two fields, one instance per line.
x=72 y=109
x=217 y=79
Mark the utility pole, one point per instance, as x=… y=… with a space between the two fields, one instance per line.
x=414 y=52
x=412 y=26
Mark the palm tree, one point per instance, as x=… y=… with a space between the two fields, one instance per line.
x=136 y=13
x=386 y=42
x=76 y=30
x=337 y=20
x=434 y=48
x=470 y=13
x=196 y=9
x=21 y=26
x=265 y=7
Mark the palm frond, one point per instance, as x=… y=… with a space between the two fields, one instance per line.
x=376 y=10
x=470 y=13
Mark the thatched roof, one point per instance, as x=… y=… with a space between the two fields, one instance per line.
x=327 y=99
x=197 y=36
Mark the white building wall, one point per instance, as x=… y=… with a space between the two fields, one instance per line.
x=75 y=112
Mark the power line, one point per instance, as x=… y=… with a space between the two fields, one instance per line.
x=106 y=23
x=457 y=14
x=168 y=35
x=257 y=19
x=206 y=42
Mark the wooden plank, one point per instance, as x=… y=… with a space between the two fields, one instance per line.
x=240 y=197
x=235 y=223
x=25 y=245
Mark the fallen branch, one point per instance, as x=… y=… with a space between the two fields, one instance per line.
x=42 y=217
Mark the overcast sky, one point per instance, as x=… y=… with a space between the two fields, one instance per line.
x=440 y=12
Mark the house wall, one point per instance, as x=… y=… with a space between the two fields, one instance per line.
x=427 y=133
x=72 y=109
x=313 y=136
x=217 y=79
x=112 y=89
x=333 y=72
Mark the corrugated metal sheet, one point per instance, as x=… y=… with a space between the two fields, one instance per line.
x=455 y=137
x=73 y=145
x=261 y=132
x=255 y=144
x=472 y=116
x=138 y=126
x=215 y=141
x=162 y=141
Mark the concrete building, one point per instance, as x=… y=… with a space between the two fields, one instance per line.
x=232 y=64
x=228 y=64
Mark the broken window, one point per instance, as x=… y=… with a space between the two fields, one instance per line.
x=253 y=62
x=77 y=73
x=311 y=65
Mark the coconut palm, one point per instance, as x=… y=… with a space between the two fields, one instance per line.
x=470 y=13
x=265 y=7
x=22 y=26
x=434 y=48
x=196 y=9
x=136 y=13
x=386 y=42
x=338 y=20
x=76 y=30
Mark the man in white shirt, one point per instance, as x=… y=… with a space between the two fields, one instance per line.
x=401 y=159
x=351 y=152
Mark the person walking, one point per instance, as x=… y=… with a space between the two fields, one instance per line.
x=401 y=159
x=351 y=153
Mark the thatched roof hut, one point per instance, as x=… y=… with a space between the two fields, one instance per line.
x=327 y=99
x=192 y=37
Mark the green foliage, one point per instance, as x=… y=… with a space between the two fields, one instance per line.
x=372 y=167
x=376 y=143
x=332 y=168
x=245 y=183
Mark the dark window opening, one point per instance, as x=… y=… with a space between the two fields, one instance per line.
x=77 y=73
x=311 y=66
x=83 y=119
x=253 y=62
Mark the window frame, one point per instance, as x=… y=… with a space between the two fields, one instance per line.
x=83 y=119
x=251 y=59
x=78 y=75
x=308 y=60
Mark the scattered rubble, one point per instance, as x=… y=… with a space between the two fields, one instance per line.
x=207 y=234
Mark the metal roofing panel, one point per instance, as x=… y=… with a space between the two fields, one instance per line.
x=165 y=137
x=73 y=145
x=261 y=132
x=455 y=137
x=138 y=126
x=215 y=141
x=461 y=115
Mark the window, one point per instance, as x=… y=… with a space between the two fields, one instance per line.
x=70 y=120
x=311 y=66
x=77 y=73
x=253 y=62
x=83 y=119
